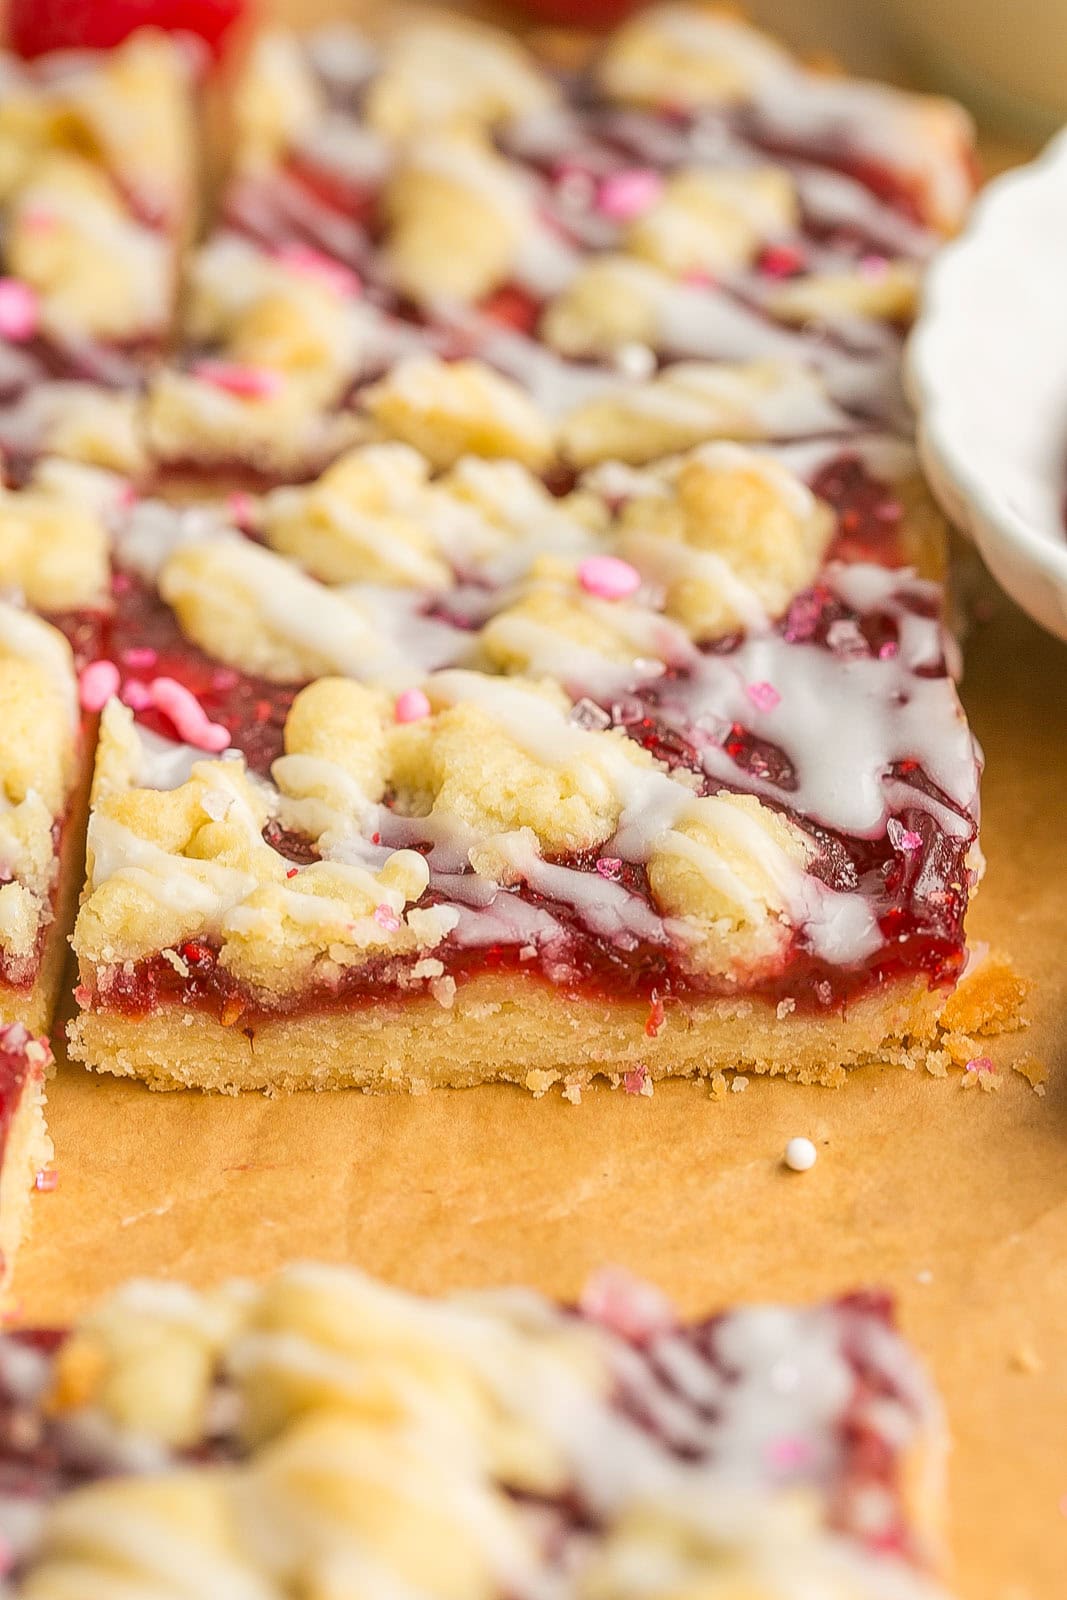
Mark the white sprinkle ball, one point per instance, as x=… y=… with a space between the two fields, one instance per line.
x=800 y=1155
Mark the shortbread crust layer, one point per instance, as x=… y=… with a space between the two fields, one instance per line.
x=511 y=1031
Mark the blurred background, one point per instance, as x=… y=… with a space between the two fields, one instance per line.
x=1006 y=59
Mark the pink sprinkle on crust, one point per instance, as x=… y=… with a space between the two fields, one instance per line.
x=46 y=1181
x=241 y=508
x=873 y=266
x=625 y=195
x=386 y=918
x=411 y=706
x=96 y=684
x=980 y=1065
x=636 y=1311
x=140 y=657
x=38 y=219
x=136 y=695
x=18 y=310
x=782 y=261
x=247 y=383
x=188 y=715
x=312 y=263
x=608 y=577
x=902 y=838
x=634 y=1081
x=789 y=1452
x=764 y=696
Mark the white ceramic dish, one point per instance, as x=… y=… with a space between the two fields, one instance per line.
x=987 y=369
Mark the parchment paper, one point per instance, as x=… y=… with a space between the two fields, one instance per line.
x=956 y=1199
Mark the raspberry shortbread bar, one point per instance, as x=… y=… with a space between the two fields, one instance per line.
x=420 y=779
x=327 y=1436
x=25 y=1148
x=695 y=237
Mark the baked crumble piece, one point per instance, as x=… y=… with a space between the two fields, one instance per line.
x=322 y=1433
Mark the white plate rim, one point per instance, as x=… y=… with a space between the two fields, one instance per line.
x=1029 y=558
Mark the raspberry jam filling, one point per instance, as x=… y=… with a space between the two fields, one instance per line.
x=912 y=874
x=676 y=1386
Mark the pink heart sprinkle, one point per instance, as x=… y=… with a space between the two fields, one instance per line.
x=135 y=695
x=188 y=715
x=610 y=867
x=980 y=1064
x=18 y=310
x=635 y=1310
x=634 y=1081
x=313 y=263
x=247 y=383
x=96 y=684
x=241 y=509
x=873 y=266
x=887 y=651
x=781 y=261
x=38 y=219
x=789 y=1452
x=411 y=706
x=608 y=577
x=386 y=918
x=764 y=696
x=46 y=1181
x=626 y=195
x=902 y=838
x=140 y=657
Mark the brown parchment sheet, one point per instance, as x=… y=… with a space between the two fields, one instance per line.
x=956 y=1199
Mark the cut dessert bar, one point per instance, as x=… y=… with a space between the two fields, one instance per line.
x=54 y=555
x=25 y=1148
x=97 y=196
x=424 y=779
x=563 y=269
x=326 y=1436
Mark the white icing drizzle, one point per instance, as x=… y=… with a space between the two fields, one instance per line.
x=842 y=723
